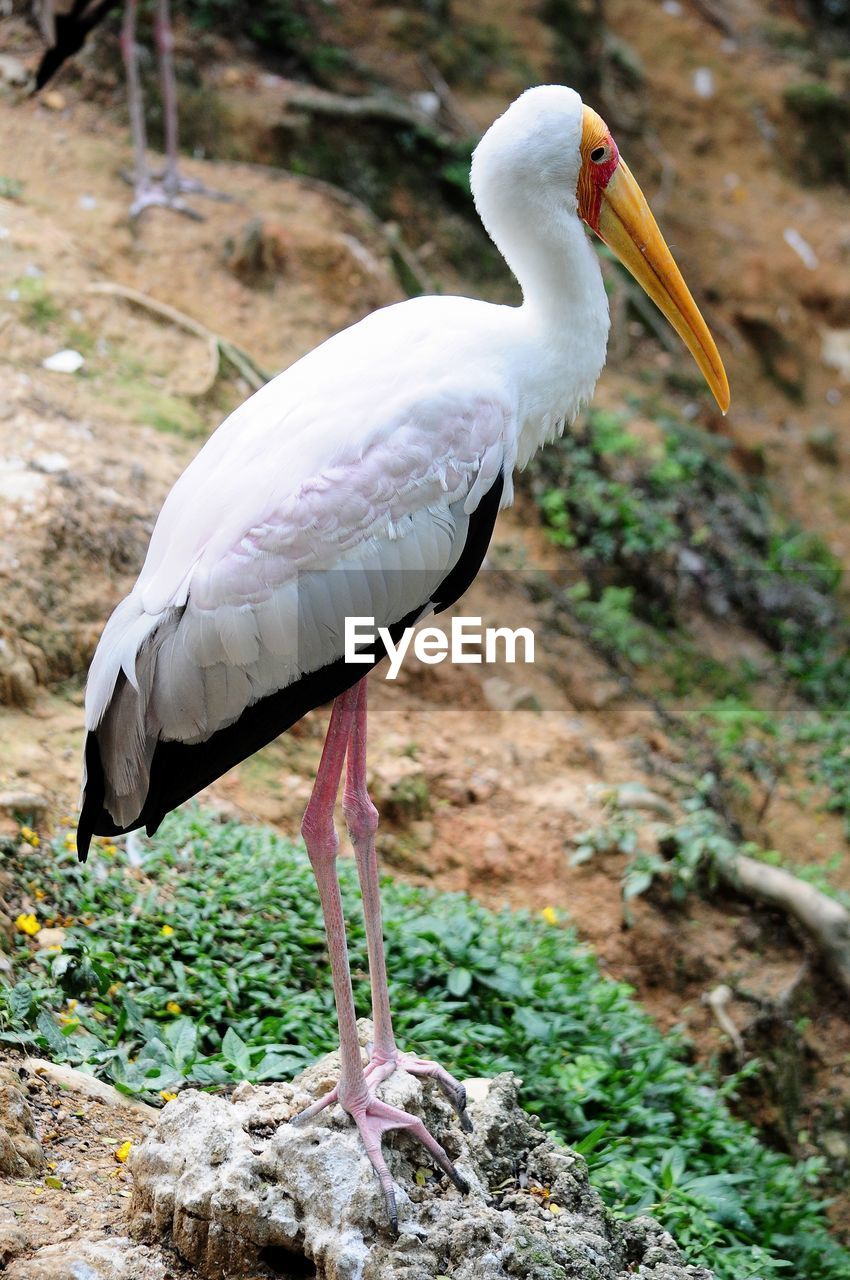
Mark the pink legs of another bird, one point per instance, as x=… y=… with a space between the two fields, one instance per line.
x=355 y=1090
x=168 y=188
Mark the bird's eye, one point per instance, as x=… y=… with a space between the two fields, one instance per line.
x=598 y=154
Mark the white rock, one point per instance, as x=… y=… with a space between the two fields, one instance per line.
x=65 y=361
x=64 y=1077
x=117 y=1258
x=17 y=482
x=12 y=70
x=704 y=82
x=801 y=247
x=427 y=102
x=230 y=1183
x=51 y=464
x=835 y=351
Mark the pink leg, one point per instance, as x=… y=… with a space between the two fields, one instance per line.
x=173 y=182
x=361 y=817
x=147 y=191
x=142 y=175
x=165 y=47
x=322 y=843
x=354 y=1093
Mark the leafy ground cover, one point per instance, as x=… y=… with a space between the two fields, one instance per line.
x=201 y=957
x=663 y=528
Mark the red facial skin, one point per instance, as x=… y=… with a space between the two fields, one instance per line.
x=594 y=176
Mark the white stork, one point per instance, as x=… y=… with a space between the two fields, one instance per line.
x=65 y=26
x=365 y=480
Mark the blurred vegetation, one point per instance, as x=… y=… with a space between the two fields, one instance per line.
x=823 y=117
x=224 y=924
x=665 y=530
x=688 y=853
x=284 y=29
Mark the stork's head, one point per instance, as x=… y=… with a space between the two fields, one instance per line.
x=561 y=154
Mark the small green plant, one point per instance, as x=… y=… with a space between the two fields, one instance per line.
x=612 y=623
x=733 y=720
x=681 y=855
x=39 y=309
x=659 y=528
x=823 y=117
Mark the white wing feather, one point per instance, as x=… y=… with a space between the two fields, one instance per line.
x=337 y=489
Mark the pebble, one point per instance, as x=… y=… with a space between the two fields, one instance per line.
x=50 y=463
x=54 y=100
x=65 y=361
x=12 y=70
x=801 y=247
x=503 y=695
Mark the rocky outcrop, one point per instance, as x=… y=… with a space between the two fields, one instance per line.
x=116 y=1259
x=240 y=1192
x=20 y=1149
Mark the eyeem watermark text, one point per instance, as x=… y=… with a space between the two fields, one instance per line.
x=466 y=642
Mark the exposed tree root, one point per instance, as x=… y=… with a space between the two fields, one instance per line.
x=382 y=108
x=219 y=348
x=823 y=920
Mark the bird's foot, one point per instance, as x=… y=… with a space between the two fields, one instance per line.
x=380 y=1067
x=451 y=1088
x=375 y=1118
x=155 y=195
x=179 y=184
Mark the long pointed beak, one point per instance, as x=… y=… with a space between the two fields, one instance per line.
x=628 y=228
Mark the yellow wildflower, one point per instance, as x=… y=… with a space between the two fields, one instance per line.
x=114 y=989
x=166 y=1096
x=27 y=924
x=70 y=840
x=123 y=1151
x=110 y=849
x=29 y=835
x=54 y=947
x=550 y=915
x=40 y=895
x=173 y=1007
x=554 y=1208
x=166 y=931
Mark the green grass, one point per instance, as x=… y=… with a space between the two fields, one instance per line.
x=223 y=921
x=39 y=309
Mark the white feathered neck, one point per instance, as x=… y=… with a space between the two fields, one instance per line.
x=524 y=177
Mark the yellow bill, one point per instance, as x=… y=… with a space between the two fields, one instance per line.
x=613 y=204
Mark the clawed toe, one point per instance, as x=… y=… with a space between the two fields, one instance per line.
x=454 y=1091
x=314 y=1108
x=374 y=1119
x=450 y=1088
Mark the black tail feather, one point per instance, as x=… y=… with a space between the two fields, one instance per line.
x=180 y=770
x=72 y=30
